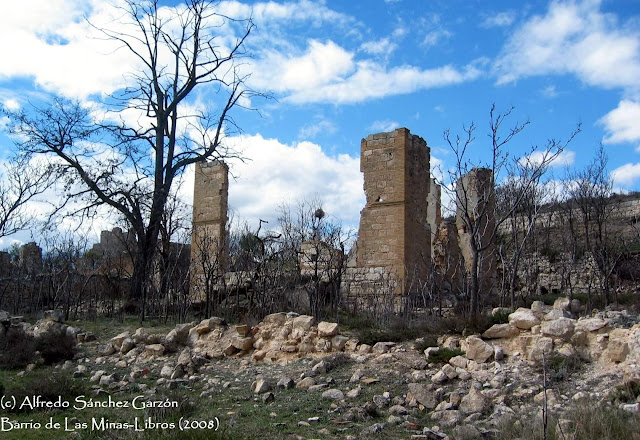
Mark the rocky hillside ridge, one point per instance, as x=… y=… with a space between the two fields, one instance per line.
x=497 y=378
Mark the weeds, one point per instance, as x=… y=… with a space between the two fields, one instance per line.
x=55 y=347
x=627 y=392
x=500 y=317
x=562 y=368
x=19 y=350
x=443 y=355
x=49 y=385
x=585 y=421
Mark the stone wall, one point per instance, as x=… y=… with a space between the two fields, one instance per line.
x=393 y=233
x=31 y=257
x=208 y=239
x=434 y=210
x=476 y=199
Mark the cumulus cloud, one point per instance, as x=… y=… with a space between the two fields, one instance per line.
x=564 y=159
x=275 y=172
x=622 y=123
x=314 y=78
x=575 y=38
x=626 y=174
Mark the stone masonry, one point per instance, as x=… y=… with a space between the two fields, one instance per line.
x=208 y=241
x=434 y=210
x=476 y=198
x=394 y=236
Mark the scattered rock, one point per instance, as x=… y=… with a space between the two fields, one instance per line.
x=327 y=329
x=333 y=394
x=523 y=319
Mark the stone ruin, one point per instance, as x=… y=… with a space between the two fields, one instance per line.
x=394 y=238
x=399 y=226
x=208 y=242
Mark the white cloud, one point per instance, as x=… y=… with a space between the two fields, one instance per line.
x=626 y=174
x=622 y=124
x=370 y=80
x=11 y=104
x=550 y=91
x=266 y=12
x=575 y=38
x=320 y=64
x=566 y=158
x=434 y=37
x=383 y=126
x=266 y=180
x=383 y=46
x=501 y=19
x=312 y=130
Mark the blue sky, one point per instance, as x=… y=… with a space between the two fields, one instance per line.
x=340 y=70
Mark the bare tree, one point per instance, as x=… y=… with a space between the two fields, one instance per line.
x=590 y=191
x=130 y=167
x=19 y=184
x=524 y=180
x=475 y=200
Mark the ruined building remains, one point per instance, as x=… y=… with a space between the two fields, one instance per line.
x=394 y=236
x=476 y=201
x=31 y=258
x=209 y=250
x=434 y=211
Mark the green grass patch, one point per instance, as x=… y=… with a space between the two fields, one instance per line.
x=443 y=355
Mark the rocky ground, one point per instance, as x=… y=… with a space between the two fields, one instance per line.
x=289 y=377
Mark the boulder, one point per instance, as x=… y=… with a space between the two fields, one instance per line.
x=277 y=319
x=154 y=349
x=339 y=342
x=243 y=344
x=127 y=345
x=474 y=401
x=557 y=314
x=261 y=385
x=243 y=330
x=558 y=328
x=333 y=394
x=478 y=350
x=117 y=340
x=523 y=319
x=617 y=350
x=306 y=383
x=185 y=357
x=302 y=322
x=498 y=331
x=55 y=315
x=327 y=329
x=562 y=304
x=422 y=395
x=383 y=347
x=591 y=324
x=179 y=335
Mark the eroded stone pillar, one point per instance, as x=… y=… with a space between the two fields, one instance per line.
x=209 y=249
x=394 y=235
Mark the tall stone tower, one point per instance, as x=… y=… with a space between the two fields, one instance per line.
x=209 y=250
x=394 y=234
x=476 y=198
x=434 y=210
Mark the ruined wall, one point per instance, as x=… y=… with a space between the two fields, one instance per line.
x=476 y=198
x=31 y=257
x=393 y=236
x=434 y=211
x=209 y=250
